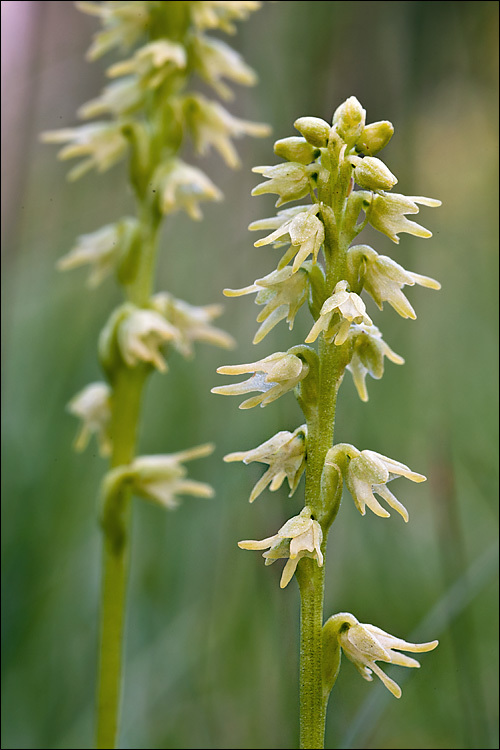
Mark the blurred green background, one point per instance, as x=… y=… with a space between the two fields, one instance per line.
x=212 y=647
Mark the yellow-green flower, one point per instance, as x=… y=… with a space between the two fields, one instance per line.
x=295 y=148
x=285 y=453
x=387 y=213
x=274 y=222
x=215 y=60
x=290 y=181
x=351 y=309
x=273 y=376
x=374 y=137
x=384 y=279
x=192 y=323
x=349 y=120
x=124 y=24
x=102 y=143
x=220 y=14
x=213 y=126
x=369 y=350
x=181 y=186
x=119 y=98
x=282 y=292
x=368 y=473
x=315 y=130
x=152 y=63
x=303 y=230
x=93 y=406
x=100 y=249
x=161 y=478
x=301 y=536
x=365 y=644
x=140 y=336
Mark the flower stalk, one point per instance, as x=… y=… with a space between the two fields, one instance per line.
x=149 y=111
x=326 y=163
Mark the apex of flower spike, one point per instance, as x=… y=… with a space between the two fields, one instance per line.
x=365 y=644
x=349 y=120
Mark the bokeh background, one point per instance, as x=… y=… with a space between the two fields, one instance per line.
x=212 y=647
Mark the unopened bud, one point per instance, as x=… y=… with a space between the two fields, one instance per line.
x=375 y=137
x=349 y=120
x=372 y=174
x=314 y=129
x=294 y=149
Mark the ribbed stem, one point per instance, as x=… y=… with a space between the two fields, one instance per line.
x=126 y=404
x=320 y=430
x=312 y=706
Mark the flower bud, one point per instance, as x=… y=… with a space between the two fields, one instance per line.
x=314 y=129
x=371 y=173
x=349 y=120
x=375 y=137
x=294 y=149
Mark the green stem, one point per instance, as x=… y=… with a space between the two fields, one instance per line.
x=310 y=575
x=126 y=404
x=320 y=430
x=312 y=706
